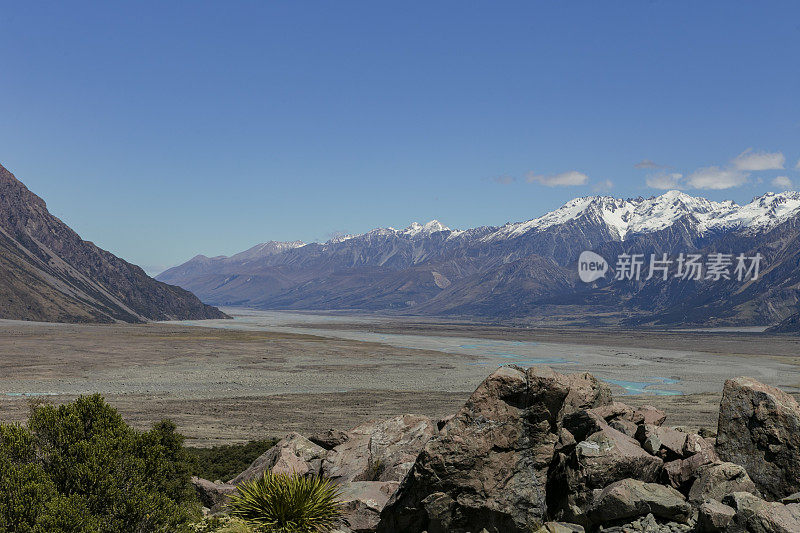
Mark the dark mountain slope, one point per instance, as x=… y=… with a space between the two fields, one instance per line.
x=48 y=273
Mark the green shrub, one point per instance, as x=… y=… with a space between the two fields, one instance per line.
x=221 y=524
x=283 y=503
x=79 y=468
x=227 y=461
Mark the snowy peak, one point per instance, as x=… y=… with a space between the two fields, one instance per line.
x=625 y=217
x=426 y=229
x=765 y=211
x=413 y=231
x=265 y=249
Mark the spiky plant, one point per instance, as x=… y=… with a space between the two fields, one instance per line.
x=288 y=503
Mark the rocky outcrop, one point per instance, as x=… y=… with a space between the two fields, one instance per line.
x=632 y=498
x=213 y=495
x=714 y=517
x=755 y=515
x=682 y=473
x=294 y=454
x=601 y=456
x=759 y=428
x=329 y=439
x=379 y=450
x=488 y=466
x=560 y=527
x=363 y=501
x=715 y=481
x=535 y=450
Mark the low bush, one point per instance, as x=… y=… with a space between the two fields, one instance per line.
x=221 y=524
x=79 y=468
x=227 y=461
x=283 y=503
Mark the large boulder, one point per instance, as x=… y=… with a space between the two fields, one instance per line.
x=667 y=443
x=294 y=454
x=755 y=515
x=329 y=439
x=215 y=496
x=647 y=414
x=714 y=481
x=682 y=473
x=759 y=428
x=363 y=501
x=697 y=452
x=630 y=498
x=487 y=468
x=382 y=450
x=714 y=517
x=601 y=457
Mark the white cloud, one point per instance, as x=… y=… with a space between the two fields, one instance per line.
x=783 y=182
x=665 y=181
x=565 y=179
x=648 y=163
x=716 y=178
x=797 y=166
x=603 y=186
x=754 y=161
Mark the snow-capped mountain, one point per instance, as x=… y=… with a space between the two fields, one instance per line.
x=518 y=269
x=645 y=215
x=264 y=249
x=415 y=229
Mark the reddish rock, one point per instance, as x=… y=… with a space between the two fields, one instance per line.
x=647 y=414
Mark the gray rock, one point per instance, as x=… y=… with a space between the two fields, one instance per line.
x=630 y=498
x=329 y=439
x=214 y=496
x=716 y=480
x=649 y=524
x=363 y=501
x=758 y=516
x=759 y=428
x=560 y=527
x=487 y=468
x=792 y=498
x=624 y=426
x=382 y=450
x=714 y=517
x=697 y=444
x=681 y=473
x=602 y=458
x=294 y=454
x=667 y=443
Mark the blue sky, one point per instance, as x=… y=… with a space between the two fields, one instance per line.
x=166 y=129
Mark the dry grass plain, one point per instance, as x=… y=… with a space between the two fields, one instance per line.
x=223 y=386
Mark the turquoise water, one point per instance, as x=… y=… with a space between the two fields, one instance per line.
x=643 y=387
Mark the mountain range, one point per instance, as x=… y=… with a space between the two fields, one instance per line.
x=527 y=271
x=48 y=273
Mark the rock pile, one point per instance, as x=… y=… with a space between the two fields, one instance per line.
x=535 y=450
